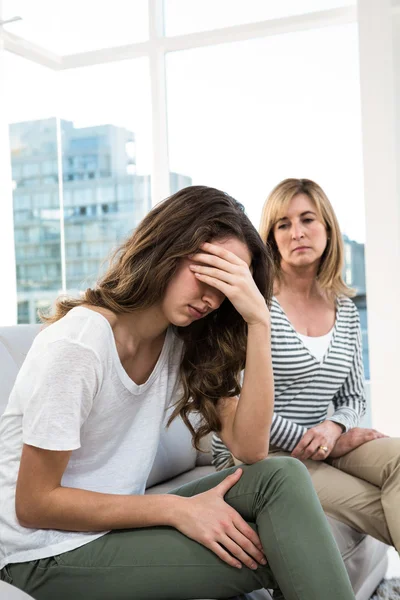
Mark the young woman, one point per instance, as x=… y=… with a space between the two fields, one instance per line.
x=179 y=313
x=317 y=360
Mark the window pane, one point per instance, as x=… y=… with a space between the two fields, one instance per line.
x=287 y=106
x=188 y=16
x=75 y=26
x=106 y=133
x=33 y=141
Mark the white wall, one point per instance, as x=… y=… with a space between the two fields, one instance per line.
x=382 y=209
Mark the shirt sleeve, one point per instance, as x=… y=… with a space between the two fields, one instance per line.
x=221 y=456
x=57 y=388
x=349 y=402
x=285 y=434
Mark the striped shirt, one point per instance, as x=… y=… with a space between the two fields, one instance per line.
x=304 y=386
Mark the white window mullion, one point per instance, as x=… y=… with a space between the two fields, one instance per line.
x=61 y=203
x=8 y=295
x=160 y=187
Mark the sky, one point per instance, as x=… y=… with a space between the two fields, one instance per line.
x=241 y=116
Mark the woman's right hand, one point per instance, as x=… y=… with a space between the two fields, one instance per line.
x=225 y=271
x=209 y=520
x=354 y=438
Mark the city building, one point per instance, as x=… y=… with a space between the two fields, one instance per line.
x=354 y=276
x=103 y=200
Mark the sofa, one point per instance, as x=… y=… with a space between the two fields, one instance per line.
x=177 y=462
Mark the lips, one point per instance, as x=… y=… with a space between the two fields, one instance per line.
x=197 y=312
x=301 y=248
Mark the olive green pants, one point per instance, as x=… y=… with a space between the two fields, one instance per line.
x=276 y=496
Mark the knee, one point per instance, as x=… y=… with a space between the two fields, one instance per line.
x=388 y=449
x=282 y=468
x=290 y=467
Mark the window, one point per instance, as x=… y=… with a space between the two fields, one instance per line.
x=242 y=115
x=244 y=133
x=69 y=26
x=187 y=16
x=32 y=128
x=103 y=128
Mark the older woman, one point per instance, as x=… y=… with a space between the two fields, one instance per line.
x=317 y=360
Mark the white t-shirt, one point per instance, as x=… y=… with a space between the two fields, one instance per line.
x=318 y=346
x=72 y=393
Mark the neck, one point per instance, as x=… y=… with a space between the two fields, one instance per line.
x=299 y=281
x=140 y=328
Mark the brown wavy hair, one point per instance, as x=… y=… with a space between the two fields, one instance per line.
x=214 y=348
x=331 y=264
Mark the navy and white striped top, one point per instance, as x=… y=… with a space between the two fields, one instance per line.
x=304 y=386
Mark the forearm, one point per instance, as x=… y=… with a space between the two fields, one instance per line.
x=73 y=509
x=253 y=418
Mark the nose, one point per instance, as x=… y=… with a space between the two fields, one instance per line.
x=212 y=297
x=297 y=231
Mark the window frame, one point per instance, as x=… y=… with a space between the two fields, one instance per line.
x=384 y=326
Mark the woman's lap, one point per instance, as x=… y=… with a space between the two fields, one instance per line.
x=349 y=487
x=161 y=563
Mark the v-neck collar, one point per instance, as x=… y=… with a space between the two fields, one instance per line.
x=300 y=341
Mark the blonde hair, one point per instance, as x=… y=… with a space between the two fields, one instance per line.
x=330 y=268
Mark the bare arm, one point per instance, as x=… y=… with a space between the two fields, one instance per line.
x=285 y=435
x=41 y=501
x=246 y=422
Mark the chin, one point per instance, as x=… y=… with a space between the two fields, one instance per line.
x=180 y=320
x=305 y=259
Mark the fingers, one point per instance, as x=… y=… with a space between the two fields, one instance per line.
x=224 y=555
x=379 y=435
x=245 y=529
x=218 y=284
x=223 y=253
x=239 y=541
x=215 y=261
x=225 y=485
x=311 y=445
x=302 y=445
x=244 y=550
x=314 y=449
x=375 y=435
x=212 y=272
x=320 y=454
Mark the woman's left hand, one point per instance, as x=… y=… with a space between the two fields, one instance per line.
x=318 y=442
x=231 y=275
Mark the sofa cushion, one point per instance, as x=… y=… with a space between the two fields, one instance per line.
x=14 y=345
x=176 y=482
x=175 y=453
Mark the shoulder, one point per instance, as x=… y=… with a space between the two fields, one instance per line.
x=277 y=313
x=81 y=333
x=175 y=347
x=347 y=309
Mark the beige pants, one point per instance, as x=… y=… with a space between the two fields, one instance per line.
x=362 y=488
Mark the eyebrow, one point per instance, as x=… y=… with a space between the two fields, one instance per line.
x=306 y=212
